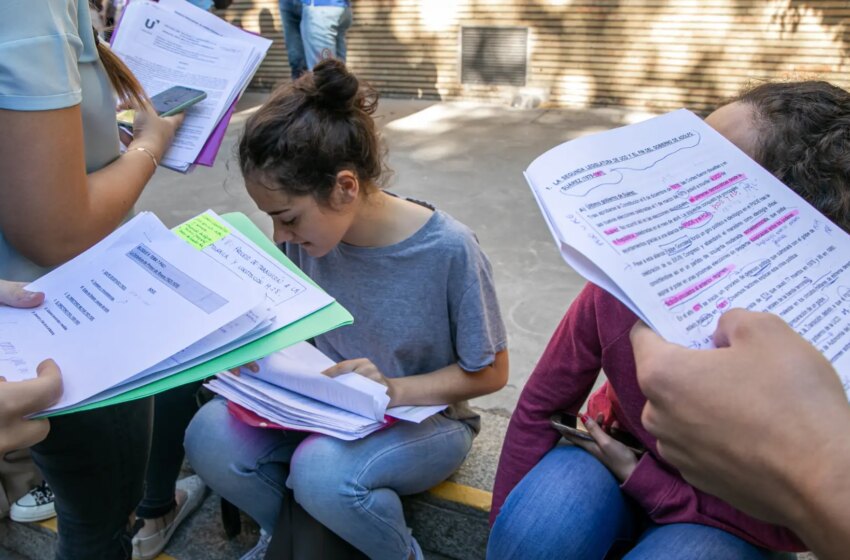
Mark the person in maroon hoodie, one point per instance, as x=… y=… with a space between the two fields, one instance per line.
x=581 y=501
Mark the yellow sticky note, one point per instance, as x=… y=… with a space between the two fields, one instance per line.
x=127 y=116
x=201 y=232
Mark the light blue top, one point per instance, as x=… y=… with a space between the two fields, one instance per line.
x=418 y=306
x=338 y=3
x=203 y=4
x=48 y=60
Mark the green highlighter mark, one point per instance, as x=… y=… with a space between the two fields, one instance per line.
x=202 y=232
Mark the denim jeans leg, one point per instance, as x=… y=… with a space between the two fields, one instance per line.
x=320 y=29
x=95 y=463
x=353 y=487
x=568 y=506
x=688 y=541
x=290 y=16
x=173 y=410
x=344 y=24
x=247 y=466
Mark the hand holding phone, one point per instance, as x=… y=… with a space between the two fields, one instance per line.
x=169 y=102
x=566 y=423
x=619 y=458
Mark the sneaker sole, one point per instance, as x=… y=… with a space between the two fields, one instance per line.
x=31 y=517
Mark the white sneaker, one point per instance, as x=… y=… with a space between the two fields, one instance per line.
x=259 y=550
x=35 y=505
x=148 y=547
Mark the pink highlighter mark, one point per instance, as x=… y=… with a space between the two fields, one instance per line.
x=702 y=218
x=718 y=187
x=701 y=285
x=774 y=225
x=717 y=176
x=675 y=186
x=625 y=239
x=697 y=307
x=755 y=226
x=609 y=231
x=723 y=304
x=599 y=174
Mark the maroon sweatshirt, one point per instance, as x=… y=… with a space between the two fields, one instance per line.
x=594 y=335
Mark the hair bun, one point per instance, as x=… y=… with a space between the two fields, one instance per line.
x=336 y=88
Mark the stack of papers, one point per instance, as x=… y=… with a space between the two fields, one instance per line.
x=290 y=390
x=680 y=225
x=148 y=309
x=174 y=43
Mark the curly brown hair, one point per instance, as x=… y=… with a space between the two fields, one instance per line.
x=310 y=130
x=804 y=140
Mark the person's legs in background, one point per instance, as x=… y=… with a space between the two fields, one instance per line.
x=290 y=17
x=353 y=487
x=164 y=505
x=323 y=28
x=95 y=463
x=568 y=506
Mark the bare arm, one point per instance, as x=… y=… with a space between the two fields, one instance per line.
x=450 y=384
x=52 y=210
x=760 y=422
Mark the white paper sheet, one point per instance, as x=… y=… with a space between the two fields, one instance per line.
x=289 y=389
x=110 y=314
x=682 y=226
x=163 y=49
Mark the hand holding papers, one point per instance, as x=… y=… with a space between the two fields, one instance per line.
x=150 y=307
x=290 y=390
x=680 y=226
x=172 y=42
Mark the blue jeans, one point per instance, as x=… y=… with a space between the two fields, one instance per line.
x=352 y=487
x=571 y=506
x=323 y=28
x=95 y=464
x=290 y=16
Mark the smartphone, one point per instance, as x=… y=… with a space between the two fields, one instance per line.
x=176 y=99
x=566 y=424
x=167 y=103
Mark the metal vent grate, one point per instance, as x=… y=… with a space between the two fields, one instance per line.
x=494 y=55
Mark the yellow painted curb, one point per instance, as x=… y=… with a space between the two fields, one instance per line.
x=466 y=495
x=51 y=525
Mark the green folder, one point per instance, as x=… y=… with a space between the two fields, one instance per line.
x=318 y=322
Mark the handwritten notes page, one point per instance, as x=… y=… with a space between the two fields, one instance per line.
x=680 y=225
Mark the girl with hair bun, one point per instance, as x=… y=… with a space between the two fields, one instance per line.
x=427 y=323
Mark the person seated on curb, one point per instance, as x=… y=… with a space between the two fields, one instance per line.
x=762 y=429
x=427 y=322
x=583 y=499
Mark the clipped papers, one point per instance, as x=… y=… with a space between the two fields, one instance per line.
x=148 y=309
x=290 y=390
x=680 y=225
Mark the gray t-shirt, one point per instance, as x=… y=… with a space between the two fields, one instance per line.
x=418 y=306
x=49 y=60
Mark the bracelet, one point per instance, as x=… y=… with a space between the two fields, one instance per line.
x=147 y=151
